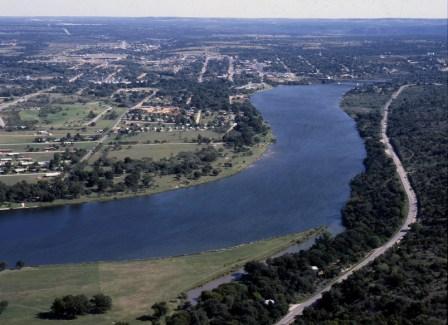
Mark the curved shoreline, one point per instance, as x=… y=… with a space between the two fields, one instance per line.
x=265 y=145
x=411 y=218
x=194 y=293
x=287 y=163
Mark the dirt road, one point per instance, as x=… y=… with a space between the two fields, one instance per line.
x=297 y=310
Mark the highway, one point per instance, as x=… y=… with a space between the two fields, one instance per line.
x=297 y=309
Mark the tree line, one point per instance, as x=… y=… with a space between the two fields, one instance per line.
x=72 y=306
x=372 y=214
x=407 y=285
x=137 y=174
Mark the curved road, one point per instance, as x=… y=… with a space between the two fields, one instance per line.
x=297 y=309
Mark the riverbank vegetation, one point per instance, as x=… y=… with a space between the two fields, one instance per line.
x=371 y=216
x=117 y=176
x=407 y=285
x=133 y=286
x=72 y=306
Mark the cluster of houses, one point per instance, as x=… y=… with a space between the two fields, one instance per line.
x=68 y=139
x=17 y=163
x=136 y=127
x=169 y=119
x=154 y=114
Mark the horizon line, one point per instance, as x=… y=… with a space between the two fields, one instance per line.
x=230 y=17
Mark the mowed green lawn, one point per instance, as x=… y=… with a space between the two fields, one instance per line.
x=13 y=179
x=14 y=138
x=71 y=115
x=173 y=136
x=134 y=285
x=154 y=151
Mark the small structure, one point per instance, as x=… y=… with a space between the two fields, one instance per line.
x=52 y=174
x=268 y=302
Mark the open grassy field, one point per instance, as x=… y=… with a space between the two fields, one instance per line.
x=239 y=162
x=173 y=136
x=41 y=147
x=16 y=138
x=13 y=179
x=29 y=136
x=133 y=285
x=66 y=115
x=154 y=151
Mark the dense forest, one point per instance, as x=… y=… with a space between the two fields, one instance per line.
x=372 y=214
x=408 y=285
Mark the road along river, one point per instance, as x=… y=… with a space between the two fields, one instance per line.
x=301 y=182
x=297 y=309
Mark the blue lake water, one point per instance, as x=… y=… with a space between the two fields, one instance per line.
x=301 y=182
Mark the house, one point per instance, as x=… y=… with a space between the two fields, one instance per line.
x=52 y=174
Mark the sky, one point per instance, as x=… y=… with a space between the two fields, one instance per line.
x=229 y=8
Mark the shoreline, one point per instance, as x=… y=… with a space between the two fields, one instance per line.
x=306 y=234
x=257 y=155
x=409 y=218
x=309 y=238
x=113 y=276
x=269 y=140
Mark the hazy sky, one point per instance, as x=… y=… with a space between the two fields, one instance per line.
x=230 y=8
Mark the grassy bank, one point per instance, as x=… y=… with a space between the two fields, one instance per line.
x=133 y=285
x=165 y=183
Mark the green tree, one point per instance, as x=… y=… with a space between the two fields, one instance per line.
x=70 y=306
x=100 y=303
x=160 y=309
x=3 y=305
x=20 y=264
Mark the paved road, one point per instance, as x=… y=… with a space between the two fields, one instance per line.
x=25 y=174
x=231 y=69
x=42 y=143
x=25 y=98
x=76 y=77
x=297 y=309
x=171 y=143
x=198 y=117
x=112 y=129
x=96 y=118
x=204 y=69
x=20 y=100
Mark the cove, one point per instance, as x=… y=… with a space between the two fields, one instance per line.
x=301 y=182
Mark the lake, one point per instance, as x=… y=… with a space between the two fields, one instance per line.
x=301 y=182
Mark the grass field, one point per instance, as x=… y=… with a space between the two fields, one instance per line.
x=70 y=115
x=134 y=285
x=12 y=179
x=239 y=162
x=40 y=147
x=29 y=136
x=173 y=136
x=154 y=151
x=15 y=138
